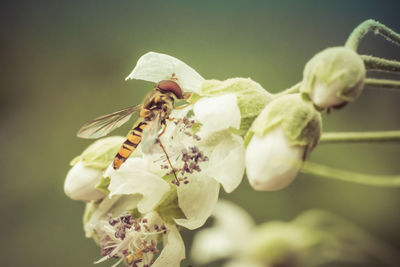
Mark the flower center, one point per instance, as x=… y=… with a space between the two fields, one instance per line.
x=133 y=240
x=187 y=161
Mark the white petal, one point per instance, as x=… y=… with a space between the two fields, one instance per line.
x=325 y=96
x=109 y=171
x=81 y=182
x=217 y=113
x=197 y=200
x=155 y=67
x=174 y=249
x=133 y=178
x=210 y=245
x=226 y=163
x=271 y=162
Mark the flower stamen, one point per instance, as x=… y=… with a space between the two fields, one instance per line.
x=134 y=240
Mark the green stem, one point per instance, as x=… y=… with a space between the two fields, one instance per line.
x=382 y=83
x=380 y=64
x=360 y=137
x=292 y=90
x=371 y=25
x=353 y=177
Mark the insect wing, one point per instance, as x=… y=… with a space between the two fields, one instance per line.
x=103 y=125
x=150 y=135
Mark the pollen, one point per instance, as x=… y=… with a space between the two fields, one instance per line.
x=129 y=258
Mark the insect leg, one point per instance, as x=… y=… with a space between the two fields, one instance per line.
x=169 y=161
x=187 y=95
x=175 y=119
x=183 y=106
x=163 y=131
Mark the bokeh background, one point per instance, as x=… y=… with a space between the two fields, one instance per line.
x=64 y=62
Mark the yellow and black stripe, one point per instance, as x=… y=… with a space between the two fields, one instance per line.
x=130 y=144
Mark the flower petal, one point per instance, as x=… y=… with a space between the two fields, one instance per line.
x=174 y=249
x=81 y=182
x=271 y=162
x=197 y=200
x=232 y=218
x=227 y=163
x=210 y=245
x=133 y=178
x=326 y=96
x=217 y=113
x=155 y=67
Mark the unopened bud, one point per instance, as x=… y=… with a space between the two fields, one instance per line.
x=88 y=169
x=333 y=77
x=81 y=182
x=279 y=140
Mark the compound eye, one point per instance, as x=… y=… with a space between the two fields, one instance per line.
x=168 y=85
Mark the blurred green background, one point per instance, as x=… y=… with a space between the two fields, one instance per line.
x=64 y=62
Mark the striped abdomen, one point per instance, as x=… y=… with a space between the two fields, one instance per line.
x=130 y=144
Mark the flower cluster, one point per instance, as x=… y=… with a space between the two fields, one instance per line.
x=173 y=177
x=171 y=181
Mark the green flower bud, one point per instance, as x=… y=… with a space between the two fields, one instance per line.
x=279 y=244
x=300 y=122
x=333 y=77
x=251 y=97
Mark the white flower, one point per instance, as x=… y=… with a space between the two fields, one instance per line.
x=333 y=77
x=313 y=238
x=280 y=138
x=155 y=67
x=81 y=182
x=272 y=162
x=135 y=241
x=202 y=161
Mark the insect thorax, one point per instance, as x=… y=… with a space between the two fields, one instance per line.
x=156 y=103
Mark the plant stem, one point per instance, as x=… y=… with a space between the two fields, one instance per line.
x=360 y=137
x=380 y=64
x=371 y=25
x=353 y=177
x=291 y=90
x=382 y=83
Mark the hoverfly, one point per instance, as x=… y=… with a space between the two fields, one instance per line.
x=155 y=109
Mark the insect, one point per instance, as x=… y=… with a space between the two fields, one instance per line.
x=155 y=109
